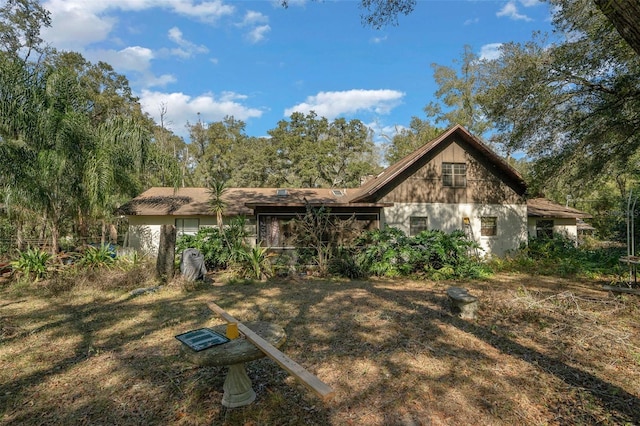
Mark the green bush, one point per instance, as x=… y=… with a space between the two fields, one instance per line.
x=253 y=263
x=98 y=257
x=558 y=255
x=32 y=263
x=345 y=264
x=431 y=254
x=209 y=242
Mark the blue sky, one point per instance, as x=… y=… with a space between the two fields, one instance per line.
x=259 y=62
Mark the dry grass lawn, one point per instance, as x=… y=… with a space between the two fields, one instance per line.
x=542 y=351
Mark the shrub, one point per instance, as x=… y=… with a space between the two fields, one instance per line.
x=253 y=263
x=32 y=263
x=98 y=257
x=345 y=264
x=431 y=254
x=558 y=255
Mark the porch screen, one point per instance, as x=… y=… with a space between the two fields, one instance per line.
x=275 y=231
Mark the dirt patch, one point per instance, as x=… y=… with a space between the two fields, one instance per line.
x=542 y=350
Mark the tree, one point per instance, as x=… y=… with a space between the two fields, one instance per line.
x=625 y=17
x=458 y=91
x=573 y=106
x=312 y=152
x=20 y=25
x=408 y=140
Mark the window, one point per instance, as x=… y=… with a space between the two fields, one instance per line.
x=337 y=192
x=488 y=226
x=544 y=228
x=417 y=224
x=187 y=226
x=454 y=174
x=281 y=192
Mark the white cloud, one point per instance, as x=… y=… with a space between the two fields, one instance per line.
x=510 y=10
x=72 y=28
x=490 y=51
x=187 y=49
x=530 y=3
x=182 y=108
x=258 y=34
x=79 y=23
x=471 y=21
x=133 y=58
x=333 y=104
x=208 y=11
x=253 y=18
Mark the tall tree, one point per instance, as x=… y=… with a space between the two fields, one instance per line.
x=574 y=106
x=20 y=25
x=312 y=152
x=408 y=140
x=458 y=91
x=625 y=17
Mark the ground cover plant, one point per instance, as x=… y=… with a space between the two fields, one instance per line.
x=543 y=350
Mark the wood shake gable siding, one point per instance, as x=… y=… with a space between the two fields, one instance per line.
x=417 y=178
x=422 y=182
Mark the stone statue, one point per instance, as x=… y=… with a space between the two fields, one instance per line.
x=192 y=265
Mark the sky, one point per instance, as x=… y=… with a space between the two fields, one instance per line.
x=260 y=62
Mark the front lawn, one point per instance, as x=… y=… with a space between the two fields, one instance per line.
x=543 y=350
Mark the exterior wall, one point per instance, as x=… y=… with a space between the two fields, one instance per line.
x=565 y=226
x=144 y=231
x=511 y=221
x=421 y=193
x=423 y=184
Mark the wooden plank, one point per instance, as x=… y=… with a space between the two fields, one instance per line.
x=312 y=382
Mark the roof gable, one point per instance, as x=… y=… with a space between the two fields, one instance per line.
x=390 y=176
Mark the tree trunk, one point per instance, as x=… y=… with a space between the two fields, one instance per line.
x=625 y=17
x=165 y=264
x=113 y=234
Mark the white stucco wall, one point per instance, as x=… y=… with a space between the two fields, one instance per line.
x=511 y=221
x=144 y=231
x=566 y=227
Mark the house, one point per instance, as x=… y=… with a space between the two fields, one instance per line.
x=453 y=182
x=546 y=218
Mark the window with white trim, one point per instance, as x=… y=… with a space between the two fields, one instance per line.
x=454 y=175
x=187 y=226
x=488 y=226
x=417 y=224
x=544 y=228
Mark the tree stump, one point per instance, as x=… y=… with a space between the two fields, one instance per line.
x=462 y=303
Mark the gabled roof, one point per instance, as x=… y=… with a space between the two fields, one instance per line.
x=390 y=174
x=162 y=201
x=541 y=207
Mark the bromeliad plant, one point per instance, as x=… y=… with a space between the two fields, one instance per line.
x=32 y=263
x=98 y=257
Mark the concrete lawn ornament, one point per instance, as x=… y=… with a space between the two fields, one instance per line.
x=192 y=265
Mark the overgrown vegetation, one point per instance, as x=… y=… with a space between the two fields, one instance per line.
x=226 y=248
x=559 y=255
x=432 y=254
